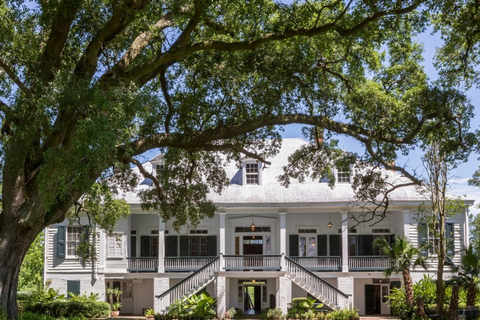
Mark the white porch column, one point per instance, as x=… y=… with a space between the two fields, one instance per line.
x=344 y=241
x=221 y=297
x=161 y=246
x=283 y=237
x=346 y=285
x=406 y=224
x=222 y=216
x=284 y=293
x=466 y=243
x=160 y=285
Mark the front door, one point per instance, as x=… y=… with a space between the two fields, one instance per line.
x=127 y=297
x=253 y=245
x=375 y=299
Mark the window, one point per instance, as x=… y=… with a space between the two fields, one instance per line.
x=385 y=230
x=115 y=245
x=427 y=236
x=343 y=176
x=352 y=246
x=75 y=236
x=204 y=231
x=252 y=173
x=160 y=167
x=127 y=290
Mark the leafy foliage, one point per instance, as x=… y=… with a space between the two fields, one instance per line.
x=88 y=309
x=306 y=308
x=343 y=314
x=196 y=306
x=31 y=272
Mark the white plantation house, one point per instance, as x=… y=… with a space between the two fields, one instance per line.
x=266 y=245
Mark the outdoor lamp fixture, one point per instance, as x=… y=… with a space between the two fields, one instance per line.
x=252 y=226
x=330 y=223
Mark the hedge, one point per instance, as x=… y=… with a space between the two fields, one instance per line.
x=88 y=309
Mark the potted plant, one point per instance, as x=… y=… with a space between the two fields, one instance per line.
x=115 y=304
x=116 y=309
x=149 y=313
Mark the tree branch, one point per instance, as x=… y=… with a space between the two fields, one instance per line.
x=121 y=15
x=141 y=42
x=13 y=76
x=150 y=176
x=185 y=141
x=236 y=148
x=143 y=73
x=52 y=54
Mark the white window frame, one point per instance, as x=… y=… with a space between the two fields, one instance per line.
x=115 y=241
x=73 y=240
x=339 y=175
x=245 y=174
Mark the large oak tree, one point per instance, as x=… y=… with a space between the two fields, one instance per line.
x=87 y=86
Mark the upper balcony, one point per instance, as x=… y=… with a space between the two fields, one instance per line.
x=259 y=263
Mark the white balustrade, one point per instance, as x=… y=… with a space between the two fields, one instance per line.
x=369 y=263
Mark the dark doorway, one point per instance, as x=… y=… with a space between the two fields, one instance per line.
x=252 y=299
x=373 y=299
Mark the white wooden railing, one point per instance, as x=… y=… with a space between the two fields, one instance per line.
x=371 y=263
x=179 y=264
x=190 y=285
x=319 y=263
x=142 y=264
x=252 y=262
x=316 y=286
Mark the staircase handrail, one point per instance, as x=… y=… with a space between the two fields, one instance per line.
x=188 y=278
x=316 y=277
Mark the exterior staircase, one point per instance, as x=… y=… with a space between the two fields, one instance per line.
x=190 y=285
x=324 y=292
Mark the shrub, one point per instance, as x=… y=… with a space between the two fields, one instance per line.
x=34 y=316
x=343 y=314
x=304 y=308
x=88 y=309
x=274 y=313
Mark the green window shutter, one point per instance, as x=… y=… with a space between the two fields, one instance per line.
x=335 y=248
x=423 y=237
x=212 y=246
x=61 y=243
x=369 y=299
x=171 y=246
x=293 y=245
x=321 y=245
x=184 y=246
x=73 y=286
x=450 y=238
x=145 y=246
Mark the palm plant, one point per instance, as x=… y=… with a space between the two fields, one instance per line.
x=403 y=257
x=468 y=273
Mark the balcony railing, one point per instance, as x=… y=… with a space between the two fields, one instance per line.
x=369 y=263
x=252 y=262
x=186 y=264
x=319 y=263
x=142 y=264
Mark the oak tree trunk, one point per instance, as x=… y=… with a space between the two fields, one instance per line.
x=14 y=244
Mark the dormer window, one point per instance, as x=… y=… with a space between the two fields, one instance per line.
x=343 y=176
x=252 y=173
x=160 y=166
